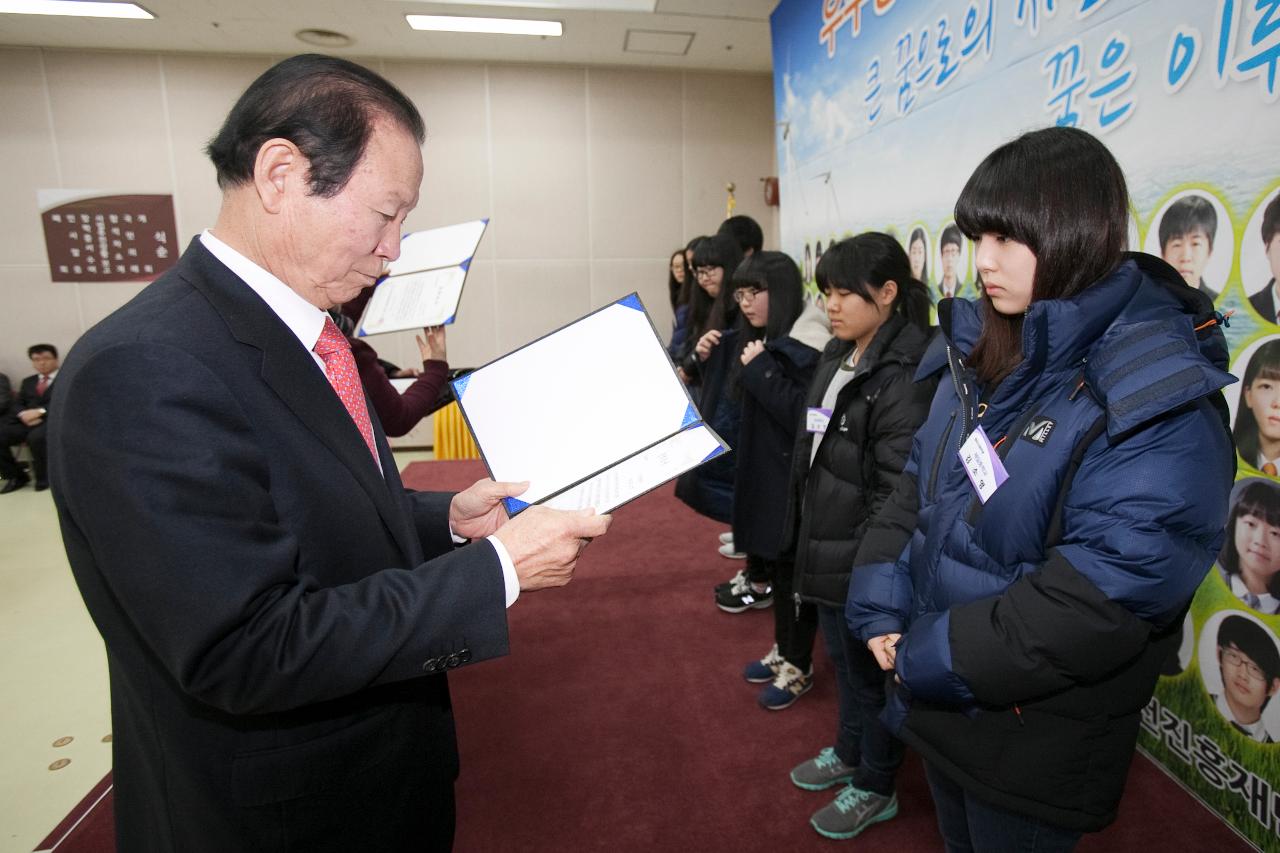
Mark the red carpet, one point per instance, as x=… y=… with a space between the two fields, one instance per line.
x=620 y=721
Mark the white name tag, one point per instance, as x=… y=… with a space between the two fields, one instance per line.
x=817 y=420
x=982 y=464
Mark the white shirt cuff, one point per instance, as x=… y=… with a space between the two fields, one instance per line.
x=509 y=576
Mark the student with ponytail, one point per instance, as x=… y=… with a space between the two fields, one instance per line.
x=863 y=407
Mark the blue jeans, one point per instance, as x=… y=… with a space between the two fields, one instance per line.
x=968 y=824
x=862 y=741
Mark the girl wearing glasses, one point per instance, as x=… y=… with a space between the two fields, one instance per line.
x=1065 y=497
x=767 y=362
x=708 y=489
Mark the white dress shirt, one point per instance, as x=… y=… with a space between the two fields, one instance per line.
x=1257 y=730
x=1267 y=603
x=306 y=321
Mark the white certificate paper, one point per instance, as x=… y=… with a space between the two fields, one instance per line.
x=423 y=286
x=591 y=415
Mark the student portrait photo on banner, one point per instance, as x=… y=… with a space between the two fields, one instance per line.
x=1260 y=258
x=1240 y=665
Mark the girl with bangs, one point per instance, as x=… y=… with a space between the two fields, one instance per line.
x=766 y=363
x=708 y=489
x=679 y=291
x=1063 y=500
x=1257 y=430
x=862 y=410
x=1250 y=561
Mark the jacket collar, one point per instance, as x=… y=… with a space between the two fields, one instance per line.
x=291 y=373
x=1138 y=337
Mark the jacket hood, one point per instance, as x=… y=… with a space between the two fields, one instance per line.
x=1143 y=342
x=812 y=327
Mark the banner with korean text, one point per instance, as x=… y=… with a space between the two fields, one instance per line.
x=885 y=107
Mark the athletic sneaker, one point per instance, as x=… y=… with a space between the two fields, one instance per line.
x=741 y=595
x=788 y=686
x=727 y=551
x=763 y=670
x=818 y=774
x=853 y=811
x=726 y=538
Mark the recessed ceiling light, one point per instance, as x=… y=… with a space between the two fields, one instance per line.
x=566 y=5
x=501 y=26
x=76 y=8
x=324 y=38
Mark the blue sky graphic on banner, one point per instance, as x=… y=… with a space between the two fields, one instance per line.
x=885 y=107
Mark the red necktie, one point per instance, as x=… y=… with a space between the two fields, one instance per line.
x=340 y=368
x=42 y=385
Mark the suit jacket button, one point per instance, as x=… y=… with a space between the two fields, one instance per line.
x=465 y=656
x=452 y=662
x=432 y=665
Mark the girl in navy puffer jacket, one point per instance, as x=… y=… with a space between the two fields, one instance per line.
x=1063 y=501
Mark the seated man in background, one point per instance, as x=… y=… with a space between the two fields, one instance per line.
x=25 y=420
x=10 y=471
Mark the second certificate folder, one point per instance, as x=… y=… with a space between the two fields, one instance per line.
x=592 y=415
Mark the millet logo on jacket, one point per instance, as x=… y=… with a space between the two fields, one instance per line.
x=1039 y=430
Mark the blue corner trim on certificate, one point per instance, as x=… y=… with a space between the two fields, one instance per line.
x=460 y=385
x=514 y=505
x=713 y=454
x=632 y=301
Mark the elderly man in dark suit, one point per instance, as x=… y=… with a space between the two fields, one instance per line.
x=278 y=611
x=26 y=420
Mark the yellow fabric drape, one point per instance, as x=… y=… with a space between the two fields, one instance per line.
x=452 y=438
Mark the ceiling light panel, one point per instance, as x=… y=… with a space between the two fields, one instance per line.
x=498 y=26
x=558 y=5
x=75 y=8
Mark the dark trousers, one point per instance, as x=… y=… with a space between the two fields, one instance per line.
x=862 y=741
x=15 y=432
x=969 y=824
x=794 y=628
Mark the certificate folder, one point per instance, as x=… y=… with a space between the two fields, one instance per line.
x=423 y=286
x=592 y=414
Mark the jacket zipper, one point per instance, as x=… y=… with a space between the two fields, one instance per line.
x=937 y=457
x=962 y=392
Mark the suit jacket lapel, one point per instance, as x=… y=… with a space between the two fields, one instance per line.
x=292 y=374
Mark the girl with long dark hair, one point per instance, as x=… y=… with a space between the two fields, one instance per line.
x=768 y=362
x=708 y=489
x=1257 y=428
x=1250 y=559
x=679 y=290
x=1063 y=500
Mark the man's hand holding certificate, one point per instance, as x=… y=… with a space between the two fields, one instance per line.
x=591 y=415
x=543 y=544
